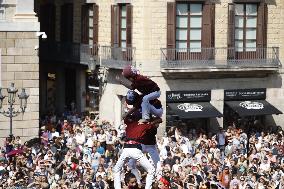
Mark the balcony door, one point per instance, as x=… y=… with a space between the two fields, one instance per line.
x=190 y=31
x=121 y=31
x=247 y=31
x=89 y=28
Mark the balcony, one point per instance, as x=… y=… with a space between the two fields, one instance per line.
x=74 y=53
x=223 y=61
x=117 y=57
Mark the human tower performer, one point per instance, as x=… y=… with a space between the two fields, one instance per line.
x=142 y=122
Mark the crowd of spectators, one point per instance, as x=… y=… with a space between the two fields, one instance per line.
x=74 y=151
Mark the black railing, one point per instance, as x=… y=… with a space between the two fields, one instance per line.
x=69 y=52
x=117 y=57
x=173 y=58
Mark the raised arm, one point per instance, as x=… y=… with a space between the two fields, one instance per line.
x=156 y=121
x=129 y=112
x=127 y=85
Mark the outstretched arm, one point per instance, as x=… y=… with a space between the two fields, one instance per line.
x=156 y=121
x=127 y=85
x=129 y=112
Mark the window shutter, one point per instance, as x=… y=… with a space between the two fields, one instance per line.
x=85 y=24
x=66 y=23
x=231 y=26
x=95 y=24
x=47 y=20
x=114 y=25
x=207 y=25
x=171 y=26
x=212 y=16
x=129 y=25
x=261 y=38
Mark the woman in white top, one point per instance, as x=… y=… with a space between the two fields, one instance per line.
x=102 y=138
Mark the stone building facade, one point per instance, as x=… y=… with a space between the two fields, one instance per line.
x=233 y=45
x=20 y=64
x=150 y=34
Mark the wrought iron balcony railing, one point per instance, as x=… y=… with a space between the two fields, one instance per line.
x=69 y=52
x=117 y=57
x=219 y=58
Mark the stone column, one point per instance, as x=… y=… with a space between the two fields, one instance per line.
x=81 y=90
x=25 y=11
x=60 y=89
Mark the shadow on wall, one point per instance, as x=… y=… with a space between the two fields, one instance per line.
x=214 y=125
x=273 y=81
x=271 y=2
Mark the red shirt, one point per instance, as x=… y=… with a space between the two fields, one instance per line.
x=137 y=132
x=144 y=85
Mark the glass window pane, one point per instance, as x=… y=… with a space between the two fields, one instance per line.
x=239 y=21
x=250 y=45
x=181 y=22
x=123 y=34
x=195 y=46
x=251 y=22
x=181 y=34
x=182 y=9
x=195 y=22
x=239 y=46
x=91 y=42
x=251 y=34
x=123 y=11
x=181 y=44
x=123 y=23
x=239 y=33
x=91 y=13
x=91 y=33
x=239 y=9
x=195 y=34
x=195 y=9
x=251 y=9
x=123 y=44
x=91 y=21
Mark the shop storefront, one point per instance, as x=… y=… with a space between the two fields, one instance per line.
x=191 y=109
x=247 y=109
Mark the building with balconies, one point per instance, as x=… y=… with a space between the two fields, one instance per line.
x=19 y=64
x=199 y=52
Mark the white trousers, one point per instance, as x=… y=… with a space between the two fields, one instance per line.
x=154 y=158
x=138 y=155
x=147 y=108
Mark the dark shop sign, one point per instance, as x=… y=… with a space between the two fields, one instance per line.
x=188 y=96
x=245 y=94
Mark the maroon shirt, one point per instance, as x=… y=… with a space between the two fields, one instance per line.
x=135 y=131
x=150 y=137
x=144 y=85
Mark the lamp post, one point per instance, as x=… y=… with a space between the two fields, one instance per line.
x=11 y=112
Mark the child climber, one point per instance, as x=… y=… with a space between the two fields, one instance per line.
x=134 y=99
x=149 y=89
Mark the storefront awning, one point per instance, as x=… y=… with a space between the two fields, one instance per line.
x=194 y=110
x=253 y=108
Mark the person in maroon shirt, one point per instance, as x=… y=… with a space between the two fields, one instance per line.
x=149 y=89
x=135 y=136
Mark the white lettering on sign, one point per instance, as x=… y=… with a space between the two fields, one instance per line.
x=252 y=105
x=188 y=107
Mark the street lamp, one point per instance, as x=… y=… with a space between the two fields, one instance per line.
x=12 y=91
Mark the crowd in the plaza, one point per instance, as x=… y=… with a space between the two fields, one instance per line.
x=74 y=151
